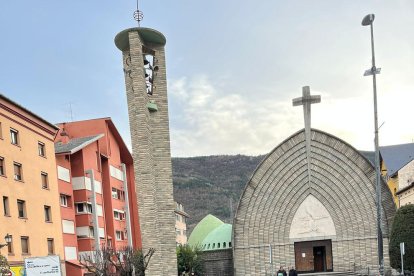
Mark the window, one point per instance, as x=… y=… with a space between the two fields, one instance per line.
x=18 y=171
x=48 y=214
x=41 y=149
x=119 y=215
x=83 y=208
x=114 y=193
x=25 y=244
x=118 y=235
x=50 y=247
x=10 y=245
x=89 y=208
x=6 y=208
x=45 y=182
x=1 y=132
x=2 y=170
x=14 y=137
x=65 y=200
x=21 y=207
x=79 y=208
x=91 y=232
x=118 y=194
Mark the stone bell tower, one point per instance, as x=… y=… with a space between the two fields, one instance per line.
x=143 y=56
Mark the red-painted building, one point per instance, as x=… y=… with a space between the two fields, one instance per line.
x=95 y=148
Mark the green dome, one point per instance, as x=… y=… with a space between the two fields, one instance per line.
x=203 y=229
x=219 y=238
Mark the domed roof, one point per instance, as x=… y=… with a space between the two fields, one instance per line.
x=219 y=238
x=203 y=228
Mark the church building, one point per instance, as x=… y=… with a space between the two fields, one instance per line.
x=311 y=204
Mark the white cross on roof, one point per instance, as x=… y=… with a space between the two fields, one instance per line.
x=306 y=100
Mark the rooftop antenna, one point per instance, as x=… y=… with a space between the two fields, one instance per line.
x=138 y=15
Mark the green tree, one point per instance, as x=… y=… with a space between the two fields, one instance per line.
x=4 y=265
x=189 y=260
x=403 y=231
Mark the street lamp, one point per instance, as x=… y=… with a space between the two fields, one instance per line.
x=8 y=239
x=369 y=21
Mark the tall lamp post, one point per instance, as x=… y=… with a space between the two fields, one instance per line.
x=369 y=21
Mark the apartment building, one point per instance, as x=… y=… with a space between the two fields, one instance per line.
x=97 y=191
x=180 y=224
x=30 y=210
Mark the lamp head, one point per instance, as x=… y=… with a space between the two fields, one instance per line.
x=368 y=19
x=8 y=238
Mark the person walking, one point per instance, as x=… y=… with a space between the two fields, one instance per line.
x=292 y=272
x=281 y=272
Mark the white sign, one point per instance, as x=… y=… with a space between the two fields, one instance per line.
x=49 y=265
x=402 y=248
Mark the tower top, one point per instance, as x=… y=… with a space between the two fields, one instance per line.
x=147 y=35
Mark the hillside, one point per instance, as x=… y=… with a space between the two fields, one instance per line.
x=208 y=184
x=211 y=184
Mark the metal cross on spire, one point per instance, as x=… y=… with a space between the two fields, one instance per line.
x=306 y=100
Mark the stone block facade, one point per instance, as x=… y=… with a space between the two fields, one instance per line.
x=218 y=262
x=150 y=146
x=343 y=181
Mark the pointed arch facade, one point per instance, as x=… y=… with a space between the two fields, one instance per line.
x=342 y=186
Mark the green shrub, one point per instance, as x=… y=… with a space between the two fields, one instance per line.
x=189 y=260
x=403 y=231
x=4 y=265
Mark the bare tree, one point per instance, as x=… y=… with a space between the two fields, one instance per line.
x=97 y=262
x=141 y=261
x=111 y=262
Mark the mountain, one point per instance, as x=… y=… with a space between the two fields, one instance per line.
x=213 y=184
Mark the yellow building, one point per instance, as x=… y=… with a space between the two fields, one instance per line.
x=30 y=209
x=397 y=167
x=392 y=182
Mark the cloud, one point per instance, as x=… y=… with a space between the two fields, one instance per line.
x=218 y=122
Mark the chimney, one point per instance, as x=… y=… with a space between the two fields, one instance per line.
x=63 y=135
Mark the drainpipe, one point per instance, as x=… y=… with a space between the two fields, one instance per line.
x=94 y=210
x=127 y=213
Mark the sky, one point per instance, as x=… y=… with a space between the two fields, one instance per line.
x=233 y=67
